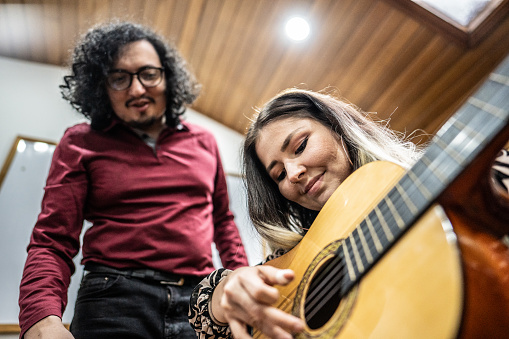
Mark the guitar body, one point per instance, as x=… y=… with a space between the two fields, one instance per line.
x=420 y=288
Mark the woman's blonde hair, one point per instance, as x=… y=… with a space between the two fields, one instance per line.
x=280 y=221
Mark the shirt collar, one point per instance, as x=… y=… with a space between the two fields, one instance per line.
x=181 y=126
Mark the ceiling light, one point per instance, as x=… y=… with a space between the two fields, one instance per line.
x=297 y=29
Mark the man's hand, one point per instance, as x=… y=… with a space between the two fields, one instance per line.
x=50 y=327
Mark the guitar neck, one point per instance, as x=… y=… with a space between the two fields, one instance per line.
x=456 y=145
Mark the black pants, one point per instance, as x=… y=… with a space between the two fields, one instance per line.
x=115 y=306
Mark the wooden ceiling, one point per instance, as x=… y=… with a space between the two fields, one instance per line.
x=386 y=56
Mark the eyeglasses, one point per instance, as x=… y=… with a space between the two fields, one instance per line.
x=120 y=79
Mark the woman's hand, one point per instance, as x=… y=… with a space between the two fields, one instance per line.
x=246 y=296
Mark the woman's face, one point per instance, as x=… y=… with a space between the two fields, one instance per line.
x=305 y=159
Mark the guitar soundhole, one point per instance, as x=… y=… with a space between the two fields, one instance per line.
x=323 y=296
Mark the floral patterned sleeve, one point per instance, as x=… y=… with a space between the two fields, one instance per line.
x=199 y=314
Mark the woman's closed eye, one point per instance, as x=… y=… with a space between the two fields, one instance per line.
x=302 y=146
x=281 y=175
x=299 y=150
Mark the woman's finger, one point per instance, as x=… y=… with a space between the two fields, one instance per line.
x=269 y=320
x=239 y=329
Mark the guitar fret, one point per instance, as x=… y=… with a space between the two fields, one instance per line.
x=466 y=137
x=385 y=227
x=374 y=236
x=454 y=154
x=499 y=78
x=399 y=220
x=486 y=107
x=413 y=191
x=348 y=261
x=474 y=138
x=406 y=198
x=432 y=165
x=365 y=246
x=419 y=185
x=357 y=257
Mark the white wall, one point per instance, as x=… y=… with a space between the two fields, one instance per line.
x=31 y=106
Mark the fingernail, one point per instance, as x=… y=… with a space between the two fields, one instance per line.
x=280 y=275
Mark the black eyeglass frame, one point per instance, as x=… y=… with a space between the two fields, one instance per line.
x=131 y=76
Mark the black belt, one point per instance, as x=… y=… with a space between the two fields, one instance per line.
x=146 y=274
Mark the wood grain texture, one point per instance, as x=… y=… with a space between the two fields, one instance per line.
x=384 y=57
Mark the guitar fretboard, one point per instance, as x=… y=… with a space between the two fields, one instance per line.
x=454 y=147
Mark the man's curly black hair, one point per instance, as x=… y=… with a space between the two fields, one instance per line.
x=85 y=88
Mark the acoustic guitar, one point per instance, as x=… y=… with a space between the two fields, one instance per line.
x=421 y=253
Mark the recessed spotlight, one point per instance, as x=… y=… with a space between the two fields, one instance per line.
x=297 y=29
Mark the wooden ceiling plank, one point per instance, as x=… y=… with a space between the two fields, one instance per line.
x=68 y=11
x=326 y=36
x=405 y=116
x=187 y=37
x=424 y=76
x=149 y=11
x=457 y=94
x=338 y=37
x=372 y=60
x=86 y=15
x=33 y=23
x=269 y=56
x=234 y=49
x=398 y=63
x=5 y=32
x=238 y=68
x=119 y=10
x=52 y=28
x=332 y=32
x=205 y=28
x=170 y=16
x=135 y=10
x=433 y=57
x=367 y=26
x=277 y=52
x=221 y=34
x=259 y=51
x=18 y=37
x=296 y=51
x=39 y=46
x=103 y=11
x=460 y=82
x=249 y=59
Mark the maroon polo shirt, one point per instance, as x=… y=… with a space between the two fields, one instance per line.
x=159 y=208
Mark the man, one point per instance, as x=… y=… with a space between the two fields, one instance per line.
x=152 y=186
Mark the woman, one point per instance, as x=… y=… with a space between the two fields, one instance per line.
x=297 y=152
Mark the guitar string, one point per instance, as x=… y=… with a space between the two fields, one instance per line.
x=319 y=293
x=320 y=296
x=474 y=135
x=401 y=200
x=384 y=208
